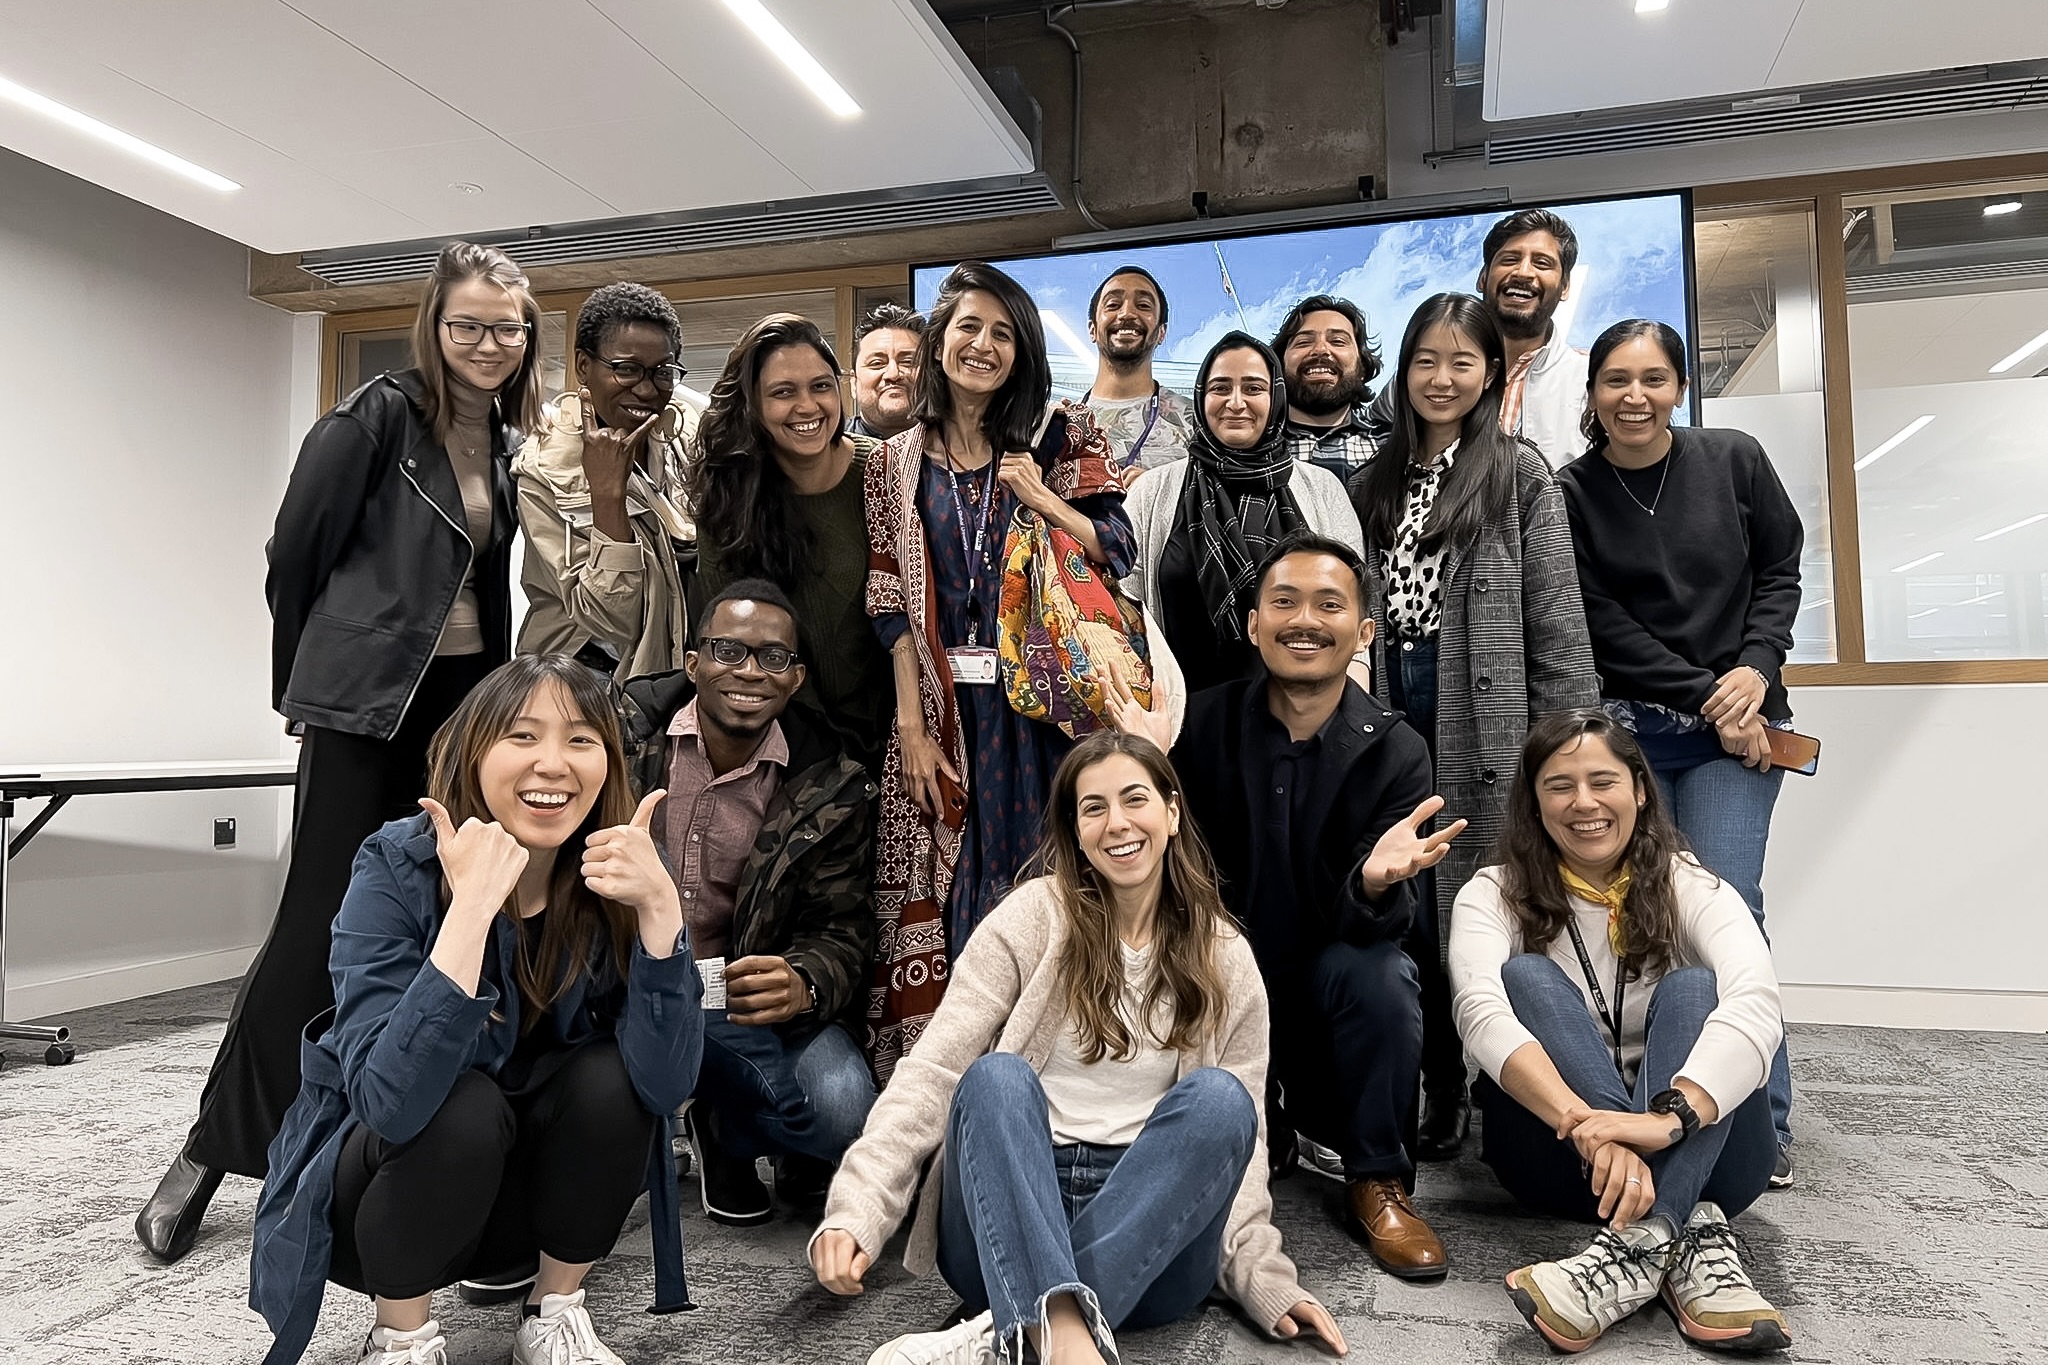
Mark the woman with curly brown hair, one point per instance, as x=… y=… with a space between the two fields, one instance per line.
x=1621 y=1002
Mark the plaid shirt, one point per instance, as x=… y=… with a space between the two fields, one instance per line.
x=1343 y=449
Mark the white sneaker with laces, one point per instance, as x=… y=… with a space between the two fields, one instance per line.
x=1571 y=1302
x=421 y=1346
x=972 y=1342
x=562 y=1334
x=1711 y=1295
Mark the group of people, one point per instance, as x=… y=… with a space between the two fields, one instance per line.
x=1452 y=748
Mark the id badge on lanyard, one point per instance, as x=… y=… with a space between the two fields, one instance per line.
x=974 y=663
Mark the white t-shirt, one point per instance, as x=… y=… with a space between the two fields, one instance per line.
x=1107 y=1102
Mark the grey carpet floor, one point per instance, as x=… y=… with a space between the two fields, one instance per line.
x=1917 y=1232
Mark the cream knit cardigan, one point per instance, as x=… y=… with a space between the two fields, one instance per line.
x=1004 y=997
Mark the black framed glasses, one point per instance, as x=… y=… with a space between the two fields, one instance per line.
x=730 y=653
x=630 y=372
x=470 y=332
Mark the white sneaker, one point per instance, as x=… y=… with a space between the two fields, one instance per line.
x=561 y=1335
x=1711 y=1295
x=1571 y=1302
x=421 y=1346
x=972 y=1342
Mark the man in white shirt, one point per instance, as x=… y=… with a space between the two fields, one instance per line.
x=1525 y=274
x=1147 y=423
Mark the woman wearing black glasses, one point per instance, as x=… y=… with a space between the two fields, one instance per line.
x=601 y=494
x=390 y=597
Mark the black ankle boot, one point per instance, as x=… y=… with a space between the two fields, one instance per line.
x=169 y=1222
x=1446 y=1117
x=729 y=1186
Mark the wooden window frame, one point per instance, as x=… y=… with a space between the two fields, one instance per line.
x=1824 y=195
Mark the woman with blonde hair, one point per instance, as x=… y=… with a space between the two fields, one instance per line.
x=516 y=1013
x=390 y=597
x=1088 y=1086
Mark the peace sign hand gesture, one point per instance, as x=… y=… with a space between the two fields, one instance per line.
x=1405 y=850
x=608 y=451
x=482 y=862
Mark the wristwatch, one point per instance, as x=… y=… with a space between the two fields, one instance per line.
x=1674 y=1103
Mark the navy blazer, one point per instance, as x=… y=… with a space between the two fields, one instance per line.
x=400 y=1035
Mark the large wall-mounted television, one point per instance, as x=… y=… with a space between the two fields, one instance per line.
x=1635 y=260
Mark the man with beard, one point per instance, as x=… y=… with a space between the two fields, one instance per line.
x=1526 y=274
x=1147 y=424
x=1327 y=358
x=1313 y=799
x=885 y=370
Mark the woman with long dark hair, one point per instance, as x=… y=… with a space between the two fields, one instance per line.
x=1479 y=625
x=390 y=596
x=1205 y=523
x=964 y=783
x=776 y=483
x=516 y=1013
x=1621 y=1003
x=1688 y=554
x=1089 y=1084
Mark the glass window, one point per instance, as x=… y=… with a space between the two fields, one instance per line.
x=1760 y=372
x=711 y=326
x=1948 y=354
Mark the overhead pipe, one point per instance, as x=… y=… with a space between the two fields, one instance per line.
x=1074 y=162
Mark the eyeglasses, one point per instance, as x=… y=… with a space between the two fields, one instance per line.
x=469 y=332
x=730 y=653
x=631 y=372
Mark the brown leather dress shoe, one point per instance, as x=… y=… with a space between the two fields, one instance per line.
x=1402 y=1244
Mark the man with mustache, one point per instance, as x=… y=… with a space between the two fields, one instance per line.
x=1314 y=799
x=1526 y=273
x=1147 y=423
x=1328 y=360
x=885 y=370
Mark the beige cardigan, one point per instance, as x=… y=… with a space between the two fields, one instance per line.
x=1004 y=996
x=582 y=585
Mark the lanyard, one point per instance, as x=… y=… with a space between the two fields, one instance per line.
x=1612 y=1021
x=976 y=552
x=1151 y=416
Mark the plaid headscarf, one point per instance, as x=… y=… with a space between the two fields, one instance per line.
x=1236 y=503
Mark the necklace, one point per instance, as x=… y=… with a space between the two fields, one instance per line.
x=1658 y=496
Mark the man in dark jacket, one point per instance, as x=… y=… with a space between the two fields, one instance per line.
x=768 y=830
x=1313 y=799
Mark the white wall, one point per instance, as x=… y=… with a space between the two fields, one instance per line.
x=148 y=434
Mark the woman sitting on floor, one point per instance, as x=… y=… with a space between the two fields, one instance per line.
x=1621 y=1000
x=1089 y=1084
x=516 y=1013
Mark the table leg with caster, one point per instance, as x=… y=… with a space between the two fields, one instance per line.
x=57 y=1047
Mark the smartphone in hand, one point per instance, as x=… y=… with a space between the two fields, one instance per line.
x=1793 y=751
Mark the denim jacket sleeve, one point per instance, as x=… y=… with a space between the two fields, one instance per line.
x=403 y=1031
x=661 y=1032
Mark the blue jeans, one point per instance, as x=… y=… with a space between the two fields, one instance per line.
x=1410 y=687
x=809 y=1097
x=1724 y=811
x=1134 y=1233
x=1728 y=1162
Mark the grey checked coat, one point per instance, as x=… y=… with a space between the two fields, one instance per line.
x=1512 y=646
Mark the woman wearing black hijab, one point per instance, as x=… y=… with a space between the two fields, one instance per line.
x=1205 y=522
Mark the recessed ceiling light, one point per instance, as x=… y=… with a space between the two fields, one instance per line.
x=793 y=55
x=466 y=187
x=112 y=136
x=2016 y=526
x=1651 y=6
x=1998 y=208
x=1923 y=559
x=1905 y=434
x=2021 y=354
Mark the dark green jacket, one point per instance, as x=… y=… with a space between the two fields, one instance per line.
x=804 y=894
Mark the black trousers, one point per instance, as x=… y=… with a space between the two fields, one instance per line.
x=1347 y=1051
x=494 y=1178
x=348 y=787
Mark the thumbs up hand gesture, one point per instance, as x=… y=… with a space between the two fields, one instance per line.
x=481 y=861
x=621 y=865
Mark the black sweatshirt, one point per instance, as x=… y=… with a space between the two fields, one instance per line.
x=1675 y=600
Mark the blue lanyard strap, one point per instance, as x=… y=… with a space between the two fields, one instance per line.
x=977 y=552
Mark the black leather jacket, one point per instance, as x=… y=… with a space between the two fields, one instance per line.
x=369 y=553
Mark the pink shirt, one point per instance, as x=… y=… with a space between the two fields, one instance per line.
x=710 y=824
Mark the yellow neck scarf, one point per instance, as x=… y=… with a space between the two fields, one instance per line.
x=1615 y=898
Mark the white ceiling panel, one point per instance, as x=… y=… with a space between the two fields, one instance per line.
x=1548 y=57
x=349 y=122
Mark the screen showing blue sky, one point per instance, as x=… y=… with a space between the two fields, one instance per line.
x=1631 y=264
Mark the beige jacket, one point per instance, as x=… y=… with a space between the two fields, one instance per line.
x=580 y=584
x=1004 y=996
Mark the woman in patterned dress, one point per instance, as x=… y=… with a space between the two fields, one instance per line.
x=965 y=779
x=1480 y=629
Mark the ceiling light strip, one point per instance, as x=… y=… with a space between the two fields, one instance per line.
x=2020 y=525
x=2021 y=354
x=1899 y=438
x=786 y=49
x=71 y=118
x=1923 y=559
